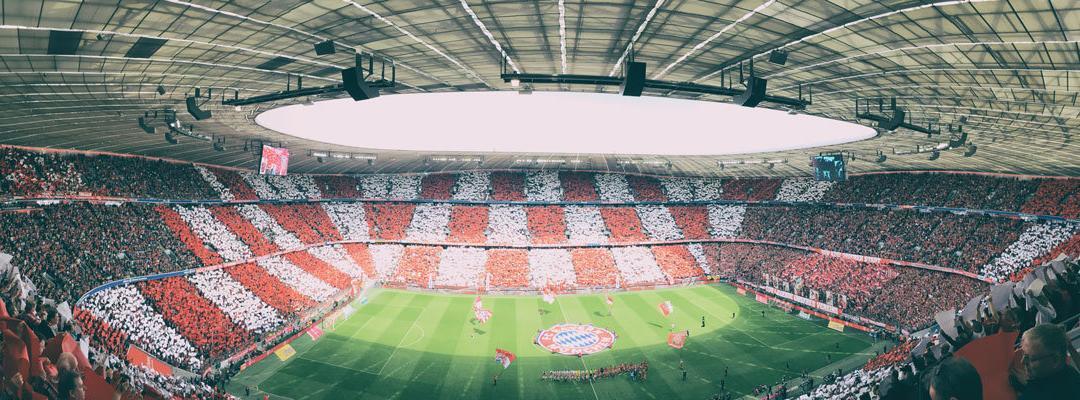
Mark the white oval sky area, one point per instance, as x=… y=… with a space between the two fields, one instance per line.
x=556 y=122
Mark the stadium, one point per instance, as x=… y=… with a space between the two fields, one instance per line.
x=760 y=199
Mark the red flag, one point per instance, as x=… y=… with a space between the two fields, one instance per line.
x=477 y=304
x=482 y=315
x=676 y=339
x=666 y=308
x=504 y=357
x=610 y=300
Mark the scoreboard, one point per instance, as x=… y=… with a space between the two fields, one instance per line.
x=830 y=167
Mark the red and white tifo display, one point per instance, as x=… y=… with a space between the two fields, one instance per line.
x=575 y=339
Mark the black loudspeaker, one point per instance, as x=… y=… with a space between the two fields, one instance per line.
x=754 y=94
x=880 y=158
x=958 y=140
x=324 y=48
x=895 y=121
x=169 y=137
x=160 y=90
x=934 y=155
x=353 y=79
x=778 y=57
x=193 y=109
x=634 y=82
x=146 y=127
x=970 y=151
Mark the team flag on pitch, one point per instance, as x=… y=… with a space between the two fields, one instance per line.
x=477 y=304
x=504 y=357
x=610 y=300
x=549 y=296
x=666 y=307
x=676 y=339
x=482 y=315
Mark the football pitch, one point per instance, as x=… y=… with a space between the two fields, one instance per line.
x=409 y=345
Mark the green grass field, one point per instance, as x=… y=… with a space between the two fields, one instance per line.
x=406 y=345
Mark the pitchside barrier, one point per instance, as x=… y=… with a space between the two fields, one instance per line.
x=837 y=320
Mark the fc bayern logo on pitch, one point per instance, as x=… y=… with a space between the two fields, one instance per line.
x=575 y=339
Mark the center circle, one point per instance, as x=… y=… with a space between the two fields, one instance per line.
x=575 y=339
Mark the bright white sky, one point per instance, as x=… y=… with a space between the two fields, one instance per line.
x=556 y=122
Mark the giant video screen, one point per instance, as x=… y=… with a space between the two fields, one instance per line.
x=274 y=161
x=829 y=168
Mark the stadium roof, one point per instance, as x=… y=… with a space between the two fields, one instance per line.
x=78 y=74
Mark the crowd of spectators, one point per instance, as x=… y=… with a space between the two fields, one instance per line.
x=378 y=186
x=67 y=249
x=255 y=240
x=726 y=220
x=336 y=256
x=624 y=224
x=547 y=225
x=658 y=222
x=507 y=186
x=646 y=188
x=899 y=353
x=236 y=301
x=361 y=255
x=349 y=219
x=467 y=224
x=223 y=192
x=507 y=268
x=803 y=189
x=542 y=186
x=337 y=186
x=437 y=186
x=1035 y=241
x=956 y=359
x=613 y=188
x=43 y=360
x=473 y=186
x=235 y=184
x=269 y=227
x=692 y=221
x=430 y=223
x=124 y=308
x=418 y=266
x=197 y=319
x=27 y=173
x=1059 y=197
x=550 y=267
x=388 y=221
x=182 y=231
x=594 y=267
x=385 y=258
x=319 y=269
x=585 y=225
x=676 y=262
x=307 y=221
x=963 y=242
x=271 y=290
x=507 y=224
x=297 y=278
x=753 y=189
x=578 y=186
x=462 y=267
x=30 y=172
x=214 y=234
x=936 y=189
x=637 y=266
